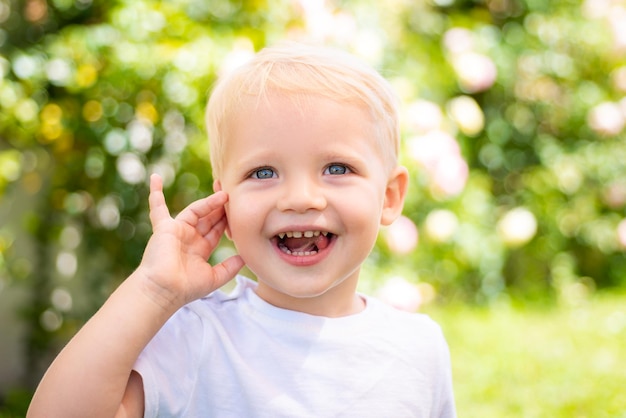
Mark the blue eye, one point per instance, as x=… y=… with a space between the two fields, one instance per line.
x=336 y=169
x=263 y=173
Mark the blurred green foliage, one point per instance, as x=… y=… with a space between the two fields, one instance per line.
x=513 y=111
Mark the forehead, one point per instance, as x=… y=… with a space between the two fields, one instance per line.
x=284 y=125
x=252 y=119
x=307 y=105
x=300 y=115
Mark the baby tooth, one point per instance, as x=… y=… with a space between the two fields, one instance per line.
x=300 y=234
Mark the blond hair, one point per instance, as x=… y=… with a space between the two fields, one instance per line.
x=301 y=70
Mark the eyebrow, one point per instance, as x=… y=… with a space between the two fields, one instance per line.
x=266 y=157
x=343 y=158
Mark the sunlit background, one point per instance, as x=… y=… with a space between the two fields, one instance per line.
x=514 y=120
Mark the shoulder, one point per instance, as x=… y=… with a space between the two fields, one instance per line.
x=414 y=347
x=418 y=322
x=216 y=301
x=413 y=333
x=170 y=365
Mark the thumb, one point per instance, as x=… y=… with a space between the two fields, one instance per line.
x=227 y=269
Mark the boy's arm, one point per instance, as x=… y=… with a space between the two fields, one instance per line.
x=92 y=376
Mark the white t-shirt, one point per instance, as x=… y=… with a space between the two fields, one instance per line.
x=238 y=356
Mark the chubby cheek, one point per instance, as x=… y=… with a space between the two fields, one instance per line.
x=242 y=218
x=366 y=205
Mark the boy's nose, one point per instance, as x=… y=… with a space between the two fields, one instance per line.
x=301 y=195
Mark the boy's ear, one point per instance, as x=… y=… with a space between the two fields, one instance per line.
x=394 y=195
x=217 y=187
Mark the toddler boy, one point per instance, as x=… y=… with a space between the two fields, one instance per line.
x=304 y=143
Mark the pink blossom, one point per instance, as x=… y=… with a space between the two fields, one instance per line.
x=401 y=294
x=401 y=236
x=606 y=118
x=440 y=154
x=450 y=175
x=429 y=149
x=458 y=40
x=617 y=21
x=423 y=116
x=476 y=72
x=595 y=9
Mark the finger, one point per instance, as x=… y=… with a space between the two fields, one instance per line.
x=156 y=201
x=209 y=222
x=214 y=234
x=211 y=207
x=227 y=269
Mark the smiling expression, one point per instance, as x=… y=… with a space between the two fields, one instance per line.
x=308 y=189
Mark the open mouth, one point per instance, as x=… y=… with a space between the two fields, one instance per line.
x=303 y=243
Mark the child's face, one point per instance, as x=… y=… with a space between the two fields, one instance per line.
x=308 y=190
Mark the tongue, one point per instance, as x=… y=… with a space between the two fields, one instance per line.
x=306 y=244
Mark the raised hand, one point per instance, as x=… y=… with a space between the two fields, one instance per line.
x=174 y=266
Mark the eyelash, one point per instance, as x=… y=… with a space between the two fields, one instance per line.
x=255 y=173
x=343 y=169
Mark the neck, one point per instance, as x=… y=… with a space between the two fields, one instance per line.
x=327 y=304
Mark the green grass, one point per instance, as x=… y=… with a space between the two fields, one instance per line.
x=539 y=362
